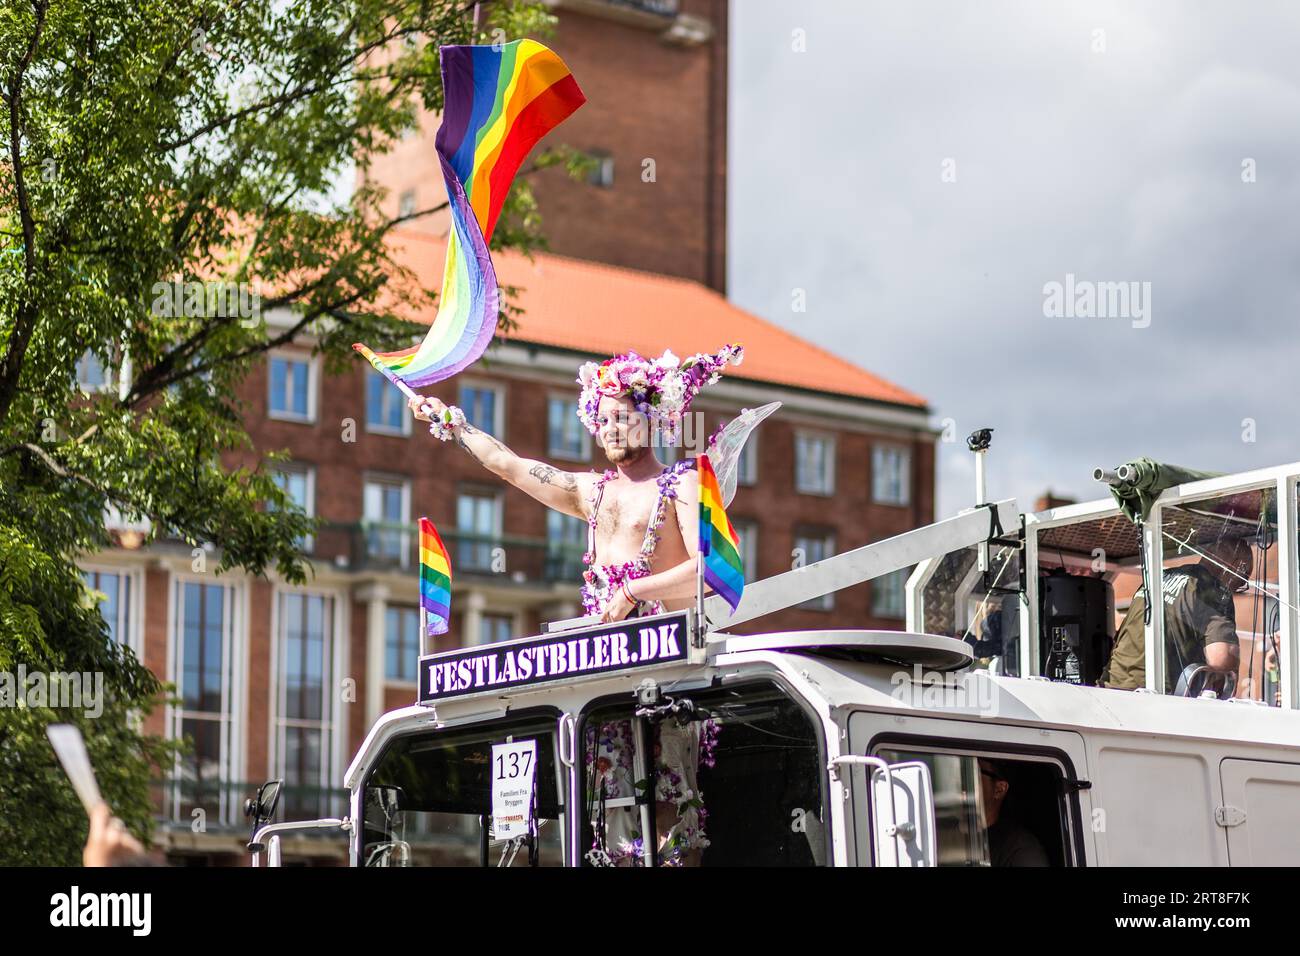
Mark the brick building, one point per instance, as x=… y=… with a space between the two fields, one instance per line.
x=655 y=76
x=282 y=681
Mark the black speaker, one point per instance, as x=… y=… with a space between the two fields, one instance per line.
x=1076 y=615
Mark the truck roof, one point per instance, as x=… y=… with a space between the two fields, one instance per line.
x=886 y=672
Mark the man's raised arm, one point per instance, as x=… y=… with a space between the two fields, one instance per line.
x=564 y=491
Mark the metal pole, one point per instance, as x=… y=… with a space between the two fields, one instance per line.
x=643 y=768
x=699 y=599
x=981 y=497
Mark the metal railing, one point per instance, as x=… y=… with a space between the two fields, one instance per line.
x=222 y=802
x=393 y=546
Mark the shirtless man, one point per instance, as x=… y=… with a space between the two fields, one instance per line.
x=643 y=516
x=643 y=522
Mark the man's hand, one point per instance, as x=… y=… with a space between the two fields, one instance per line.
x=618 y=608
x=426 y=408
x=109 y=843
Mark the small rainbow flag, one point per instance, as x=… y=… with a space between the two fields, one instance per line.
x=435 y=579
x=719 y=543
x=498 y=102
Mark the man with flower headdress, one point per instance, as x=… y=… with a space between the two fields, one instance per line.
x=641 y=516
x=642 y=521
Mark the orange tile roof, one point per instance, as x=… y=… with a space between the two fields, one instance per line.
x=600 y=309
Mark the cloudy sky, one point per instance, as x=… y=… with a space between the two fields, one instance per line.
x=923 y=169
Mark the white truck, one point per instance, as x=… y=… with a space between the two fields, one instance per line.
x=845 y=747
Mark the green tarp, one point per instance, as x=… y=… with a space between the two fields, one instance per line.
x=1136 y=496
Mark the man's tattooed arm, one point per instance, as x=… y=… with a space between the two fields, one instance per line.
x=553 y=476
x=554 y=488
x=479 y=438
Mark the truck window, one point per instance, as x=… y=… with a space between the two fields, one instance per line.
x=428 y=801
x=738 y=782
x=991 y=810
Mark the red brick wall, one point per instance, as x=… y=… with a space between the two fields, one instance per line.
x=646 y=99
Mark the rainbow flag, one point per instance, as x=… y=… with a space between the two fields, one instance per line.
x=498 y=102
x=435 y=579
x=719 y=543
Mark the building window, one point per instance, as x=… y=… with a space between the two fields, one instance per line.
x=602 y=174
x=305 y=715
x=387 y=506
x=116 y=606
x=483 y=408
x=889 y=594
x=747 y=531
x=478 y=529
x=495 y=627
x=747 y=467
x=299 y=483
x=401 y=643
x=566 y=435
x=91 y=373
x=566 y=542
x=891 y=474
x=292 y=395
x=203 y=668
x=814 y=464
x=385 y=407
x=811 y=547
x=406 y=204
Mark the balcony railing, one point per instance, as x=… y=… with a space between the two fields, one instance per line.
x=388 y=546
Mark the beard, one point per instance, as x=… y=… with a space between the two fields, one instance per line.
x=625 y=455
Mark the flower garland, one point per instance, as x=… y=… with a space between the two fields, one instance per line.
x=662 y=389
x=609 y=750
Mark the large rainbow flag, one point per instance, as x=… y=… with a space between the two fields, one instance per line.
x=719 y=543
x=435 y=579
x=498 y=102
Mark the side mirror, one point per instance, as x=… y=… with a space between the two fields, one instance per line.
x=261 y=808
x=902 y=817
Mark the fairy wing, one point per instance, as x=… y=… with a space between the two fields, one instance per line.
x=724 y=450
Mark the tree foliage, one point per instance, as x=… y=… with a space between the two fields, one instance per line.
x=195 y=142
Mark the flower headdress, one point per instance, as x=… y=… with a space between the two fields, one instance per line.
x=662 y=389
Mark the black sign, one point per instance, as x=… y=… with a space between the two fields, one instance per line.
x=564 y=655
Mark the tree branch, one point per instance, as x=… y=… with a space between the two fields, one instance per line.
x=25 y=317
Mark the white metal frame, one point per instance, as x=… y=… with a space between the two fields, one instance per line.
x=1283 y=479
x=916 y=547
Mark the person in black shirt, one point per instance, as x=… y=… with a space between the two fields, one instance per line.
x=1010 y=844
x=1200 y=619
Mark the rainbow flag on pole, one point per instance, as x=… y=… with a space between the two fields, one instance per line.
x=435 y=579
x=719 y=543
x=498 y=102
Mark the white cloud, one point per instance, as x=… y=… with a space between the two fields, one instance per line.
x=1115 y=166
